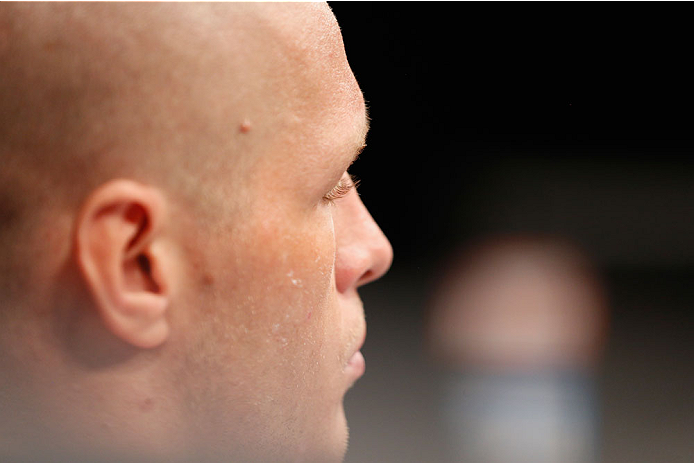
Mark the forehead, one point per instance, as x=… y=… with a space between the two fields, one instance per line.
x=318 y=105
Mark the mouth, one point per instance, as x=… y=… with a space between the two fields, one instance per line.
x=356 y=365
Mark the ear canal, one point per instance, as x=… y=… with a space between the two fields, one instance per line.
x=137 y=264
x=146 y=269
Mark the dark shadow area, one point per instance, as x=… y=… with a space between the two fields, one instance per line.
x=538 y=119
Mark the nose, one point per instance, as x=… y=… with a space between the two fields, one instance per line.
x=363 y=254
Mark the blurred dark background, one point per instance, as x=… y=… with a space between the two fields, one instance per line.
x=562 y=119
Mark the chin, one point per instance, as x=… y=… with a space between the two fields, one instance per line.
x=335 y=444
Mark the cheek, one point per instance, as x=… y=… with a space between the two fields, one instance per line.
x=298 y=327
x=303 y=276
x=289 y=273
x=269 y=316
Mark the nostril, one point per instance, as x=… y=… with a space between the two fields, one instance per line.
x=367 y=276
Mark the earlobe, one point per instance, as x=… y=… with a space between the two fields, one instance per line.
x=117 y=246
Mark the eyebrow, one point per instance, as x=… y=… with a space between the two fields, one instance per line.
x=365 y=132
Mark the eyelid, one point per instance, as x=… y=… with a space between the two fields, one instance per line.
x=344 y=186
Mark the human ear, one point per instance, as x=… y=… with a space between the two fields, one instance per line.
x=118 y=246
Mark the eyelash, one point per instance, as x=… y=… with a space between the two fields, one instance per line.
x=343 y=187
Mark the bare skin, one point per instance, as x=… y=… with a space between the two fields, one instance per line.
x=179 y=277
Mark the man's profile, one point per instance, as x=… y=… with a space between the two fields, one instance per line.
x=181 y=242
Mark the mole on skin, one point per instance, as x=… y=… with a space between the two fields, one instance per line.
x=245 y=126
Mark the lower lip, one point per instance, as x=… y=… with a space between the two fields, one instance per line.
x=356 y=365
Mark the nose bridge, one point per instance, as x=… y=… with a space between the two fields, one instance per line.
x=364 y=253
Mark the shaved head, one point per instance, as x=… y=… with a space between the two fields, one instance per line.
x=181 y=241
x=155 y=92
x=96 y=90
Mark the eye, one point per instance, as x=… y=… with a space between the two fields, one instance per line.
x=344 y=186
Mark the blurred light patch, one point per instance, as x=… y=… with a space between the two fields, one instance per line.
x=520 y=323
